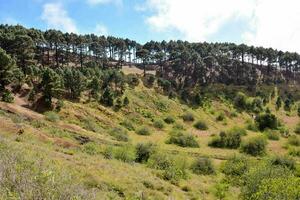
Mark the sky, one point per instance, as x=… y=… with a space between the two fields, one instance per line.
x=268 y=23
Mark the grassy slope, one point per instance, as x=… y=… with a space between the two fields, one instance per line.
x=56 y=141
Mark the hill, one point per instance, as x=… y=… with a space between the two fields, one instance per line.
x=89 y=117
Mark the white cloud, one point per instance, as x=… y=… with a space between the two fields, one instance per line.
x=57 y=17
x=196 y=19
x=270 y=23
x=276 y=24
x=101 y=30
x=95 y=2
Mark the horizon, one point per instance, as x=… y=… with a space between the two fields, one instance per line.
x=250 y=22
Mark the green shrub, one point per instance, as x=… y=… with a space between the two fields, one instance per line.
x=266 y=120
x=188 y=117
x=297 y=129
x=284 y=131
x=7 y=96
x=177 y=170
x=255 y=146
x=52 y=116
x=284 y=161
x=251 y=126
x=178 y=126
x=119 y=134
x=160 y=160
x=237 y=130
x=169 y=120
x=125 y=153
x=236 y=166
x=265 y=181
x=272 y=135
x=221 y=116
x=159 y=124
x=294 y=152
x=240 y=101
x=202 y=166
x=201 y=125
x=294 y=140
x=220 y=190
x=143 y=131
x=128 y=125
x=183 y=140
x=231 y=140
x=144 y=151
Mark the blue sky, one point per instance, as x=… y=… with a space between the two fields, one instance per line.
x=254 y=22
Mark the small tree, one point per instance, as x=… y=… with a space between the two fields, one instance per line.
x=266 y=120
x=278 y=103
x=240 y=101
x=107 y=97
x=255 y=146
x=51 y=85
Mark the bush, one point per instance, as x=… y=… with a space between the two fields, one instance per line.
x=202 y=166
x=144 y=151
x=177 y=170
x=221 y=116
x=284 y=161
x=294 y=140
x=7 y=96
x=297 y=129
x=169 y=120
x=161 y=161
x=237 y=130
x=251 y=126
x=235 y=167
x=240 y=101
x=119 y=134
x=143 y=131
x=270 y=182
x=52 y=116
x=188 y=117
x=272 y=135
x=125 y=154
x=183 y=140
x=255 y=146
x=178 y=126
x=201 y=125
x=294 y=152
x=230 y=139
x=266 y=120
x=158 y=124
x=128 y=125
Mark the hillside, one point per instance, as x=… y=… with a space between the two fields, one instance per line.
x=95 y=117
x=90 y=142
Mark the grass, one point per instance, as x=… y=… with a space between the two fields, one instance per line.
x=108 y=164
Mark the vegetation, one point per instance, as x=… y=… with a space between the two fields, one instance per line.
x=255 y=146
x=201 y=125
x=202 y=166
x=77 y=124
x=182 y=140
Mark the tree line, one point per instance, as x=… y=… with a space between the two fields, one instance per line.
x=180 y=65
